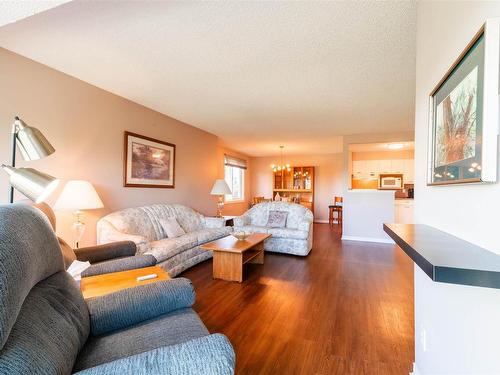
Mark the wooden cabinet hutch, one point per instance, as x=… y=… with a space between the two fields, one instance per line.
x=297 y=185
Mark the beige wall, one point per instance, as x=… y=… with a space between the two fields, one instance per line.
x=85 y=124
x=327 y=179
x=383 y=155
x=461 y=323
x=235 y=208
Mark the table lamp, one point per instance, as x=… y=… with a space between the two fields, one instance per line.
x=33 y=145
x=78 y=195
x=220 y=189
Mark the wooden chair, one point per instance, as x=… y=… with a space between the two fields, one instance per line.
x=336 y=207
x=257 y=200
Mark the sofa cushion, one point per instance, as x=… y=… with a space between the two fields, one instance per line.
x=169 y=247
x=131 y=221
x=288 y=233
x=50 y=330
x=251 y=229
x=171 y=227
x=277 y=219
x=207 y=235
x=170 y=329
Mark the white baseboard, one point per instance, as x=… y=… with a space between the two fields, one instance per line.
x=367 y=239
x=415 y=370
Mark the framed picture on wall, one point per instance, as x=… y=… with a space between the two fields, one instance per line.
x=148 y=162
x=463 y=114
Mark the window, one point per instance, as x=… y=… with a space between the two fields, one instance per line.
x=234 y=174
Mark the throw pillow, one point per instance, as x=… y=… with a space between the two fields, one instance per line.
x=171 y=227
x=277 y=219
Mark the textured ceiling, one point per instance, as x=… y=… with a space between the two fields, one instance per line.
x=257 y=74
x=12 y=11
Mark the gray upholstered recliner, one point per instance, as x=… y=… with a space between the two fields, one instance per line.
x=106 y=258
x=47 y=328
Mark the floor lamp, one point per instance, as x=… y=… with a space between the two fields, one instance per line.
x=33 y=145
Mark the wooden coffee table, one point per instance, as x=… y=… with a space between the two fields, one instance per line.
x=230 y=255
x=99 y=285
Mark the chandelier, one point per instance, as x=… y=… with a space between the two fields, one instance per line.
x=282 y=166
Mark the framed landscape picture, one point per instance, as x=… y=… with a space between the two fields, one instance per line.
x=148 y=162
x=463 y=115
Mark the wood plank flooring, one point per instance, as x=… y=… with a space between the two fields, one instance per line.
x=345 y=309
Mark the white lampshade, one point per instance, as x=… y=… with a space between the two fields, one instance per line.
x=220 y=188
x=78 y=195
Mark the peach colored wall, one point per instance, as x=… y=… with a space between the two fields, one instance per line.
x=383 y=155
x=86 y=124
x=235 y=208
x=327 y=179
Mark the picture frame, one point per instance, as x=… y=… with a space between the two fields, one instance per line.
x=148 y=162
x=464 y=114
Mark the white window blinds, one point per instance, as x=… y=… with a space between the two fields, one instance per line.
x=232 y=161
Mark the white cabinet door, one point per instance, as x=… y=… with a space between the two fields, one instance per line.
x=409 y=171
x=404 y=212
x=372 y=169
x=397 y=165
x=358 y=168
x=384 y=166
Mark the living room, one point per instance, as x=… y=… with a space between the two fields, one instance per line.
x=267 y=244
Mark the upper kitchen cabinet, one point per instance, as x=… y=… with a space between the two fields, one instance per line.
x=409 y=171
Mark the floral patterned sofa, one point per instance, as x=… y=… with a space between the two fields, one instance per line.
x=295 y=238
x=142 y=226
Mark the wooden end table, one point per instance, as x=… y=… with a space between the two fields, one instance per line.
x=230 y=255
x=99 y=285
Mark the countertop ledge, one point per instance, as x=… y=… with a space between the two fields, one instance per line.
x=446 y=258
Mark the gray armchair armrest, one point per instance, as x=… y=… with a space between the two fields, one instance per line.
x=208 y=355
x=120 y=264
x=99 y=253
x=131 y=306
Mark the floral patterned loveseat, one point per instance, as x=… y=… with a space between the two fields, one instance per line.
x=142 y=226
x=295 y=238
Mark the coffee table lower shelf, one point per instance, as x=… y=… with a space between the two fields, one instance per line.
x=229 y=255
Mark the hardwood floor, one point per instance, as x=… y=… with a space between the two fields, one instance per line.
x=345 y=309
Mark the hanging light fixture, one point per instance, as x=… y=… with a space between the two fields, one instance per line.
x=282 y=166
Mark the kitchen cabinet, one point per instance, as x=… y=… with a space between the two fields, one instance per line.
x=397 y=165
x=403 y=211
x=409 y=171
x=361 y=168
x=371 y=169
x=385 y=166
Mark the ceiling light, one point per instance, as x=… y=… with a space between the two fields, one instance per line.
x=395 y=146
x=282 y=166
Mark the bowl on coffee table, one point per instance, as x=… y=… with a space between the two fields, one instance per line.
x=241 y=235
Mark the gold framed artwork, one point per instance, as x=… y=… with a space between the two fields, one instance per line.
x=148 y=162
x=463 y=114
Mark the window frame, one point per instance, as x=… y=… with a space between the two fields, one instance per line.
x=228 y=197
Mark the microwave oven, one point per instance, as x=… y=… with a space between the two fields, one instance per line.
x=391 y=182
